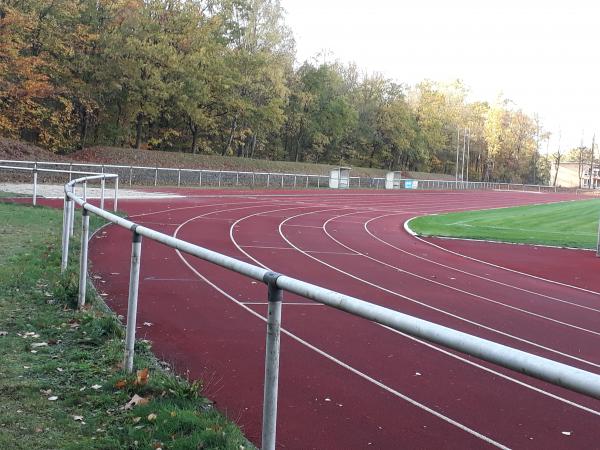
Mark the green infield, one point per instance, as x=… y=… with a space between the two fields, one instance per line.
x=565 y=224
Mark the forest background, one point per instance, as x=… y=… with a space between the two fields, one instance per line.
x=221 y=77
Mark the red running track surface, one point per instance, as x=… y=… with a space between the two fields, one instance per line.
x=346 y=382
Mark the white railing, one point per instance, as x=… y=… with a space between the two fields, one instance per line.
x=172 y=176
x=535 y=366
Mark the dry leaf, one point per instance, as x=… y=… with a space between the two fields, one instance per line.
x=135 y=401
x=148 y=324
x=151 y=417
x=142 y=377
x=136 y=419
x=121 y=384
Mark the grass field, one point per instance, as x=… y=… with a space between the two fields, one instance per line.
x=61 y=381
x=565 y=224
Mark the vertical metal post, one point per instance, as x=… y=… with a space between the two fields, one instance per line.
x=295 y=180
x=178 y=177
x=268 y=179
x=102 y=187
x=66 y=234
x=70 y=171
x=85 y=191
x=116 y=194
x=85 y=232
x=237 y=178
x=307 y=181
x=598 y=241
x=269 y=425
x=318 y=181
x=282 y=181
x=134 y=279
x=130 y=174
x=253 y=176
x=200 y=179
x=72 y=217
x=220 y=175
x=155 y=176
x=35 y=178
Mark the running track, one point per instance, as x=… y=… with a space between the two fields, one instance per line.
x=345 y=382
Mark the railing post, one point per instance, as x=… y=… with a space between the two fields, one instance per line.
x=85 y=191
x=268 y=179
x=237 y=178
x=220 y=175
x=85 y=233
x=155 y=176
x=318 y=181
x=269 y=425
x=295 y=180
x=72 y=216
x=35 y=179
x=116 y=194
x=307 y=176
x=200 y=179
x=65 y=234
x=102 y=187
x=253 y=178
x=130 y=174
x=134 y=279
x=598 y=241
x=70 y=171
x=178 y=177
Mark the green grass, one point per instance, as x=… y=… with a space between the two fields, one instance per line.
x=565 y=224
x=81 y=349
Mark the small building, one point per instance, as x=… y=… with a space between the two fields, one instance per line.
x=339 y=178
x=393 y=180
x=571 y=175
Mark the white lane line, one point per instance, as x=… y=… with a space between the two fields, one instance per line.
x=428 y=306
x=505 y=268
x=286 y=303
x=491 y=280
x=327 y=355
x=462 y=291
x=293 y=249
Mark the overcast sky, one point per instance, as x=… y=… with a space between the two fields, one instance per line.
x=543 y=55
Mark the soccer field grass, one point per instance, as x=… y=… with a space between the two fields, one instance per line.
x=565 y=224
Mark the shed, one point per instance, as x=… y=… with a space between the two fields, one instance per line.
x=339 y=178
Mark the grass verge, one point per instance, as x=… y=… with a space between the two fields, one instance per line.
x=565 y=224
x=61 y=380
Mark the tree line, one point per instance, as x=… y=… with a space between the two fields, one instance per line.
x=220 y=76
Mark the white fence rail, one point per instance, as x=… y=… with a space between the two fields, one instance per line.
x=171 y=176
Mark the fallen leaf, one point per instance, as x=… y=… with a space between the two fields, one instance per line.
x=46 y=391
x=142 y=377
x=53 y=398
x=148 y=324
x=39 y=430
x=151 y=417
x=567 y=433
x=136 y=419
x=135 y=401
x=121 y=384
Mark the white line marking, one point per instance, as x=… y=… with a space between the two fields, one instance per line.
x=455 y=316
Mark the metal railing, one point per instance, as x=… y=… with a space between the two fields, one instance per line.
x=172 y=176
x=535 y=366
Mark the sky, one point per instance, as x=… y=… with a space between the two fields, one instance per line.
x=542 y=55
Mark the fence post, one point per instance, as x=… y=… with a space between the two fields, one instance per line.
x=318 y=181
x=65 y=234
x=237 y=178
x=178 y=177
x=35 y=178
x=116 y=194
x=85 y=232
x=70 y=171
x=155 y=176
x=253 y=175
x=130 y=174
x=295 y=180
x=102 y=186
x=85 y=191
x=200 y=179
x=269 y=425
x=268 y=179
x=282 y=181
x=220 y=175
x=598 y=241
x=72 y=216
x=134 y=279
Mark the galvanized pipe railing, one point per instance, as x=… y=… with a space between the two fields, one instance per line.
x=535 y=366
